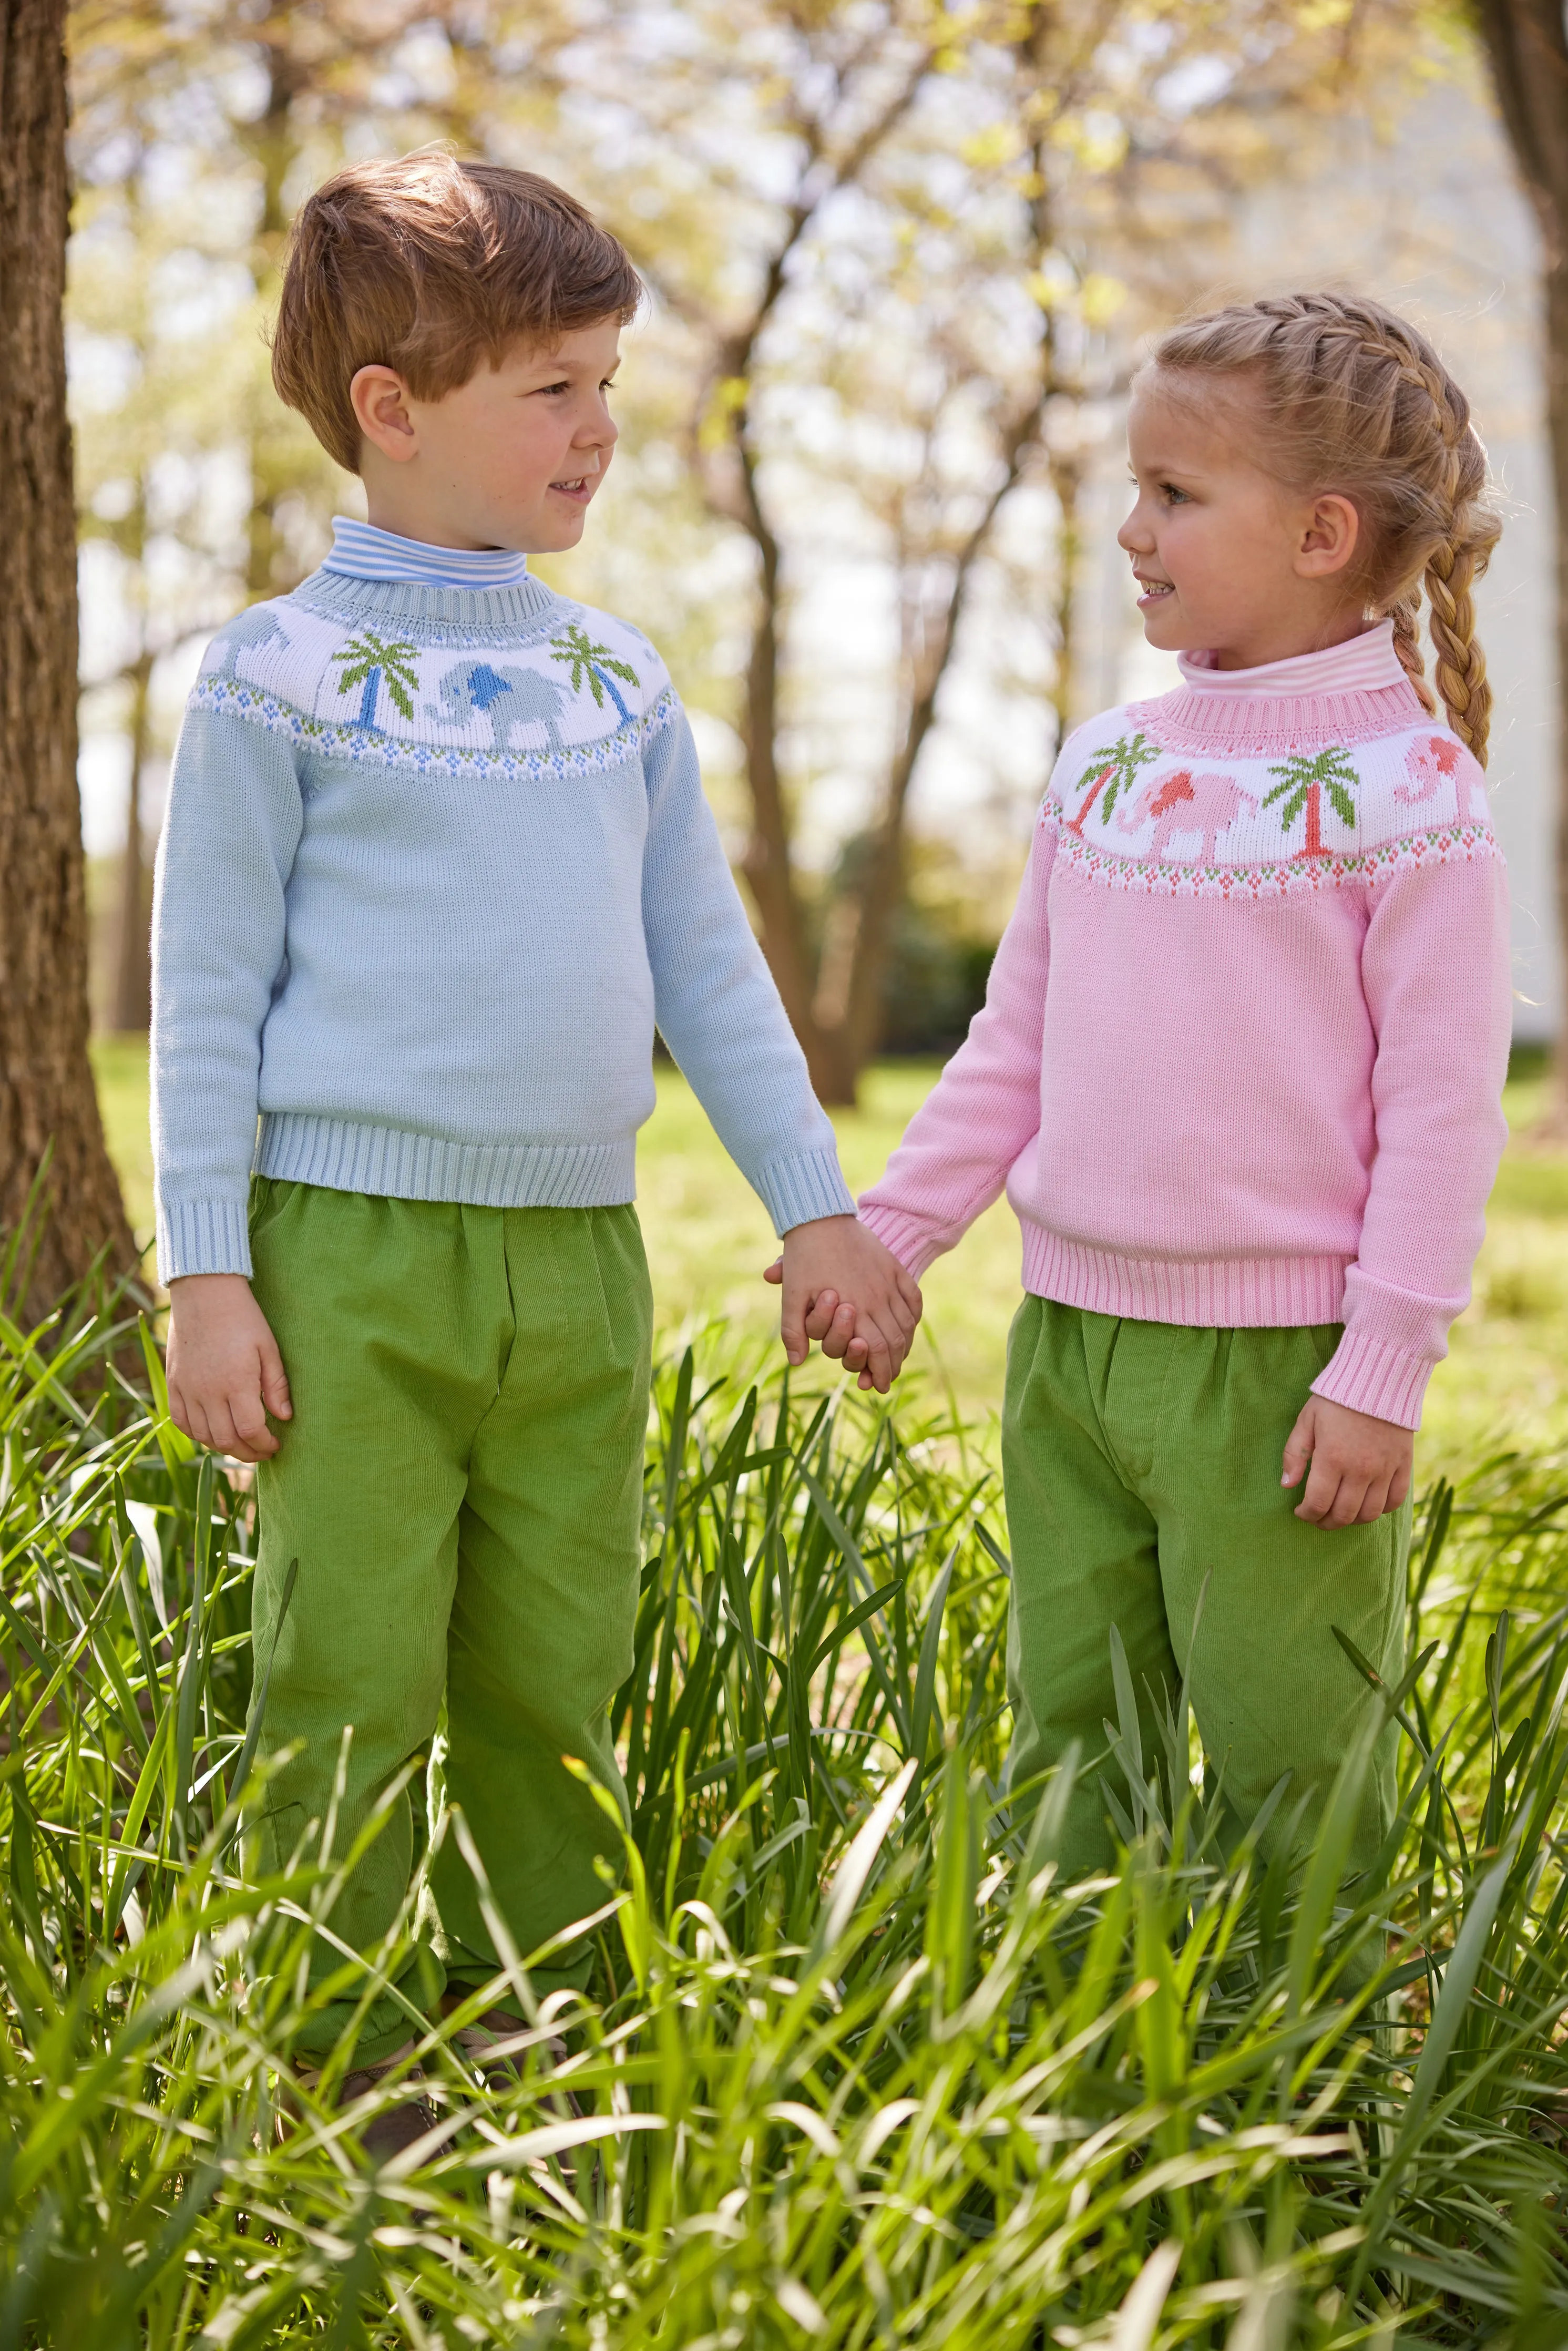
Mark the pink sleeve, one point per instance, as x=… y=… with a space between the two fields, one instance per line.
x=1435 y=968
x=960 y=1147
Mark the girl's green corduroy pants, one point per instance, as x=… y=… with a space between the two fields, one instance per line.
x=1140 y=1459
x=461 y=1484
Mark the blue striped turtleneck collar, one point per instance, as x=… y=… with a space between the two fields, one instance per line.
x=361 y=551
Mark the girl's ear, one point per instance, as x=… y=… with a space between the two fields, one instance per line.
x=1330 y=532
x=379 y=398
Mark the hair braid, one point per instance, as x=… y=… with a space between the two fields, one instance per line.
x=1405 y=615
x=1354 y=399
x=1461 y=664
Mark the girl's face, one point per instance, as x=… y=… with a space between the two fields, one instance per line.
x=1230 y=561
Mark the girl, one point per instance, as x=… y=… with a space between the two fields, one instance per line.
x=1239 y=1065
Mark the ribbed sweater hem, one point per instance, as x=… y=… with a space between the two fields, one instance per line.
x=1369 y=1375
x=203 y=1237
x=1219 y=1294
x=345 y=1156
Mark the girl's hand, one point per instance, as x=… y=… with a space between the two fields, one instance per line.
x=844 y=1289
x=1361 y=1467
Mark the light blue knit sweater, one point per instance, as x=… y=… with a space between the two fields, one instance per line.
x=437 y=860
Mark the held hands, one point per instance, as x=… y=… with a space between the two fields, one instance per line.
x=225 y=1373
x=1360 y=1467
x=842 y=1287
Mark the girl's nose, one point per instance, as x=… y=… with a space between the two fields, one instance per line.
x=1132 y=536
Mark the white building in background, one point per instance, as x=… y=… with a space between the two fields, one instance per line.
x=1424 y=212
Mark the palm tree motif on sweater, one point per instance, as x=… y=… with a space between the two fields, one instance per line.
x=368 y=661
x=1115 y=770
x=246 y=634
x=1185 y=804
x=1301 y=785
x=595 y=665
x=1426 y=763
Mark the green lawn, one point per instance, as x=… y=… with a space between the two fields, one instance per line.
x=1505 y=1381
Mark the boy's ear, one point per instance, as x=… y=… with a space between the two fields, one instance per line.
x=379 y=400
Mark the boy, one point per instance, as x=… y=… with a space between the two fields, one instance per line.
x=437 y=860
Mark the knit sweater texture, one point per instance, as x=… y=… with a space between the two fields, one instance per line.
x=436 y=861
x=1242 y=1050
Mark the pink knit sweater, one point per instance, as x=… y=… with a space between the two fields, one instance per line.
x=1241 y=1052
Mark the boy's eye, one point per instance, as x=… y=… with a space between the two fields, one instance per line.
x=1169 y=490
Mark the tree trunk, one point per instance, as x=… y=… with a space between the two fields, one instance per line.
x=1526 y=42
x=1556 y=306
x=130 y=1012
x=47 y=1096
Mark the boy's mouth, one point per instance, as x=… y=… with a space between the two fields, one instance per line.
x=578 y=488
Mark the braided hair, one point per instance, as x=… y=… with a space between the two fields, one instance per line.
x=1356 y=399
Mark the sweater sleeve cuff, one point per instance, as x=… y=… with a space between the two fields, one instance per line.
x=203 y=1237
x=797 y=1191
x=909 y=1238
x=1370 y=1376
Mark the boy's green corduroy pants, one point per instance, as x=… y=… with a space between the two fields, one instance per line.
x=462 y=1485
x=1140 y=1458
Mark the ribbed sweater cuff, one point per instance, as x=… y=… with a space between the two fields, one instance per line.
x=909 y=1238
x=1369 y=1375
x=795 y=1191
x=203 y=1237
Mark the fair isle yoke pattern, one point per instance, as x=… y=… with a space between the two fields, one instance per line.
x=1247 y=819
x=576 y=692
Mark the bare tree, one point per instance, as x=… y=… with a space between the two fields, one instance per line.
x=47 y=1104
x=1526 y=45
x=983 y=174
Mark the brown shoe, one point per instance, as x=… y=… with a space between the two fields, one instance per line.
x=493 y=2044
x=396 y=2127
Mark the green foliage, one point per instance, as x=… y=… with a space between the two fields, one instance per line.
x=855 y=2068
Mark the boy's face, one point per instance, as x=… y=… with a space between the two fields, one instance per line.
x=509 y=459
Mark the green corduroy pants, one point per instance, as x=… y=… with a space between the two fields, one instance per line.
x=1141 y=1467
x=461 y=1484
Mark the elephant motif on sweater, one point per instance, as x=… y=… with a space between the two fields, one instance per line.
x=246 y=634
x=1426 y=762
x=506 y=696
x=1184 y=803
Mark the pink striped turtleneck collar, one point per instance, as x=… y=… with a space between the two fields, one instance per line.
x=1346 y=692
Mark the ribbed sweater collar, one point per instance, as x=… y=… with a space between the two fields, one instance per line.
x=1344 y=693
x=476 y=616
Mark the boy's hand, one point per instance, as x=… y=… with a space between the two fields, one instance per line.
x=225 y=1373
x=1360 y=1467
x=842 y=1287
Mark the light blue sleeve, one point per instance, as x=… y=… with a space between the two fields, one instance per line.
x=715 y=1003
x=232 y=826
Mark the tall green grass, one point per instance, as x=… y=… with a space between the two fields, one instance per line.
x=856 y=2068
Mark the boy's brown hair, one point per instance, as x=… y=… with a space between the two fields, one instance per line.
x=429 y=265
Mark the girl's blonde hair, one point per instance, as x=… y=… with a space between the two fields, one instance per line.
x=1356 y=399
